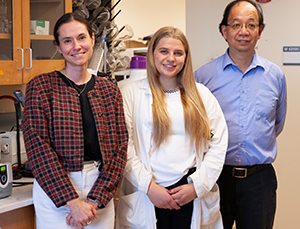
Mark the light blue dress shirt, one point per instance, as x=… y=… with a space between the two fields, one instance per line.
x=254 y=105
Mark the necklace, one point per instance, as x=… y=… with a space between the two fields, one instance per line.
x=79 y=92
x=63 y=71
x=171 y=91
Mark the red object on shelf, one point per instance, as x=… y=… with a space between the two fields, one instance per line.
x=263 y=1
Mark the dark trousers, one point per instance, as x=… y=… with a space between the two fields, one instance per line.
x=176 y=219
x=250 y=201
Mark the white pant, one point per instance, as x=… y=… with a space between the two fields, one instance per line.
x=48 y=216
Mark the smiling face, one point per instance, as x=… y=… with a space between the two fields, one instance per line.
x=169 y=58
x=243 y=40
x=75 y=44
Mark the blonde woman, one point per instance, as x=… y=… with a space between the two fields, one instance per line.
x=177 y=143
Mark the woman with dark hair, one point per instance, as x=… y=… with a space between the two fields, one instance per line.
x=75 y=136
x=177 y=143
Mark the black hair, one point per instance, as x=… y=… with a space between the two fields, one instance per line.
x=66 y=18
x=232 y=4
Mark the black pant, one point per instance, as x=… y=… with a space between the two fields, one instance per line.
x=176 y=219
x=250 y=201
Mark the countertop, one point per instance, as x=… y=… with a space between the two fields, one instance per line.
x=20 y=197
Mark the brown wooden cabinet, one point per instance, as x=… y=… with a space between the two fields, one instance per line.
x=24 y=55
x=21 y=218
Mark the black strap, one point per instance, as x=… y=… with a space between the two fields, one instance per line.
x=183 y=180
x=244 y=171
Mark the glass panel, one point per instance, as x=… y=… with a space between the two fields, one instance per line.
x=44 y=50
x=6 y=30
x=43 y=16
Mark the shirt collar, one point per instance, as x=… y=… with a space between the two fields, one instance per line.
x=256 y=61
x=144 y=84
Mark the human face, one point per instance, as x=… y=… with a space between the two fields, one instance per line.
x=243 y=40
x=75 y=44
x=169 y=58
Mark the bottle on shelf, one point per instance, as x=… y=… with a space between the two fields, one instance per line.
x=137 y=70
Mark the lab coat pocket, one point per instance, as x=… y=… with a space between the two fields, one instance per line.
x=133 y=213
x=210 y=205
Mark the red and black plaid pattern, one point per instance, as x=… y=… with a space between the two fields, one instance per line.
x=53 y=135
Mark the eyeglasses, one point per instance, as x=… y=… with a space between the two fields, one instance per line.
x=238 y=26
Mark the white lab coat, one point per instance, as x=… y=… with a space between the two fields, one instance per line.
x=135 y=210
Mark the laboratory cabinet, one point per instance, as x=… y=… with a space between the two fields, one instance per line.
x=25 y=53
x=16 y=210
x=21 y=218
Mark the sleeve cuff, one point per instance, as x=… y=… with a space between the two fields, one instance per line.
x=100 y=205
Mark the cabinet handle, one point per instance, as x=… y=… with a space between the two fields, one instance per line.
x=30 y=51
x=22 y=58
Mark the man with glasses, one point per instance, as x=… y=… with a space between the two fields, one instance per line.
x=252 y=93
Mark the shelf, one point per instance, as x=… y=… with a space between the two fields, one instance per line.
x=32 y=37
x=41 y=37
x=123 y=73
x=45 y=1
x=5 y=36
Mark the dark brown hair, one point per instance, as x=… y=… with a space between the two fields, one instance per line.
x=66 y=18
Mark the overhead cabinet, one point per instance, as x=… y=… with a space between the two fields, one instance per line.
x=25 y=53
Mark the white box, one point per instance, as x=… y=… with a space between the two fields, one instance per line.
x=32 y=26
x=39 y=27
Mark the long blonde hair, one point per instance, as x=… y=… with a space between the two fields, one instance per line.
x=195 y=116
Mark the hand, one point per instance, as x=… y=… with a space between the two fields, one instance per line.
x=70 y=221
x=160 y=197
x=81 y=213
x=93 y=203
x=183 y=194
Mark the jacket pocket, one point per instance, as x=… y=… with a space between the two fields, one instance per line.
x=210 y=205
x=131 y=210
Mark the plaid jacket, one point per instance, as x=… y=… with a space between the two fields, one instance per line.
x=53 y=135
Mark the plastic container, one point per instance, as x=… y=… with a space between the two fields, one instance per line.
x=138 y=62
x=138 y=67
x=137 y=70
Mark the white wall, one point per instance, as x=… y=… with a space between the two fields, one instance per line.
x=147 y=16
x=281 y=19
x=200 y=20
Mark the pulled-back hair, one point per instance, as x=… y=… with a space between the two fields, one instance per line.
x=66 y=18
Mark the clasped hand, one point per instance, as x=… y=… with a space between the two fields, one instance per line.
x=81 y=213
x=171 y=199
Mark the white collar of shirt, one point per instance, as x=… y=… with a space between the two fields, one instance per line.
x=144 y=85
